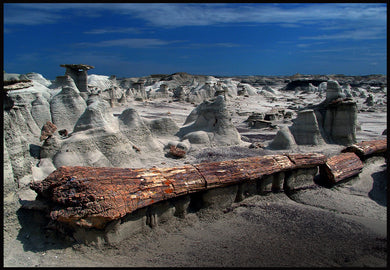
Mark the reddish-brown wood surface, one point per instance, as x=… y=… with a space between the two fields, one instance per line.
x=91 y=197
x=341 y=167
x=308 y=160
x=366 y=148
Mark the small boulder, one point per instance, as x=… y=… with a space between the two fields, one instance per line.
x=176 y=152
x=47 y=130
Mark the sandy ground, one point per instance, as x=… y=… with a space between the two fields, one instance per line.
x=341 y=226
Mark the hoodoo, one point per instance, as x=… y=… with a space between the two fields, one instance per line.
x=78 y=72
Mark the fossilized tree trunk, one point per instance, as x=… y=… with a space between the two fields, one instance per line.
x=367 y=148
x=91 y=197
x=341 y=167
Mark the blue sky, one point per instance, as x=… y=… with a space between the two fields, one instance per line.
x=132 y=40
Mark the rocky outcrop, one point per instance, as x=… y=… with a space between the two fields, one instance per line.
x=40 y=110
x=17 y=140
x=63 y=81
x=67 y=102
x=370 y=100
x=340 y=121
x=336 y=116
x=100 y=139
x=210 y=124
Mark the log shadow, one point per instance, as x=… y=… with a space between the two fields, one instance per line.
x=378 y=193
x=34 y=234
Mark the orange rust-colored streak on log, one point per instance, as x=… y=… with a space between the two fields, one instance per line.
x=184 y=179
x=366 y=148
x=341 y=167
x=91 y=197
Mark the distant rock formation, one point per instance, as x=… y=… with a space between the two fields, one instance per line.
x=332 y=121
x=303 y=83
x=210 y=124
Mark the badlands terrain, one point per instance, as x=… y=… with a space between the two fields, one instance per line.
x=172 y=120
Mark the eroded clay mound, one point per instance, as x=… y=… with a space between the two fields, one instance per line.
x=211 y=125
x=66 y=107
x=100 y=139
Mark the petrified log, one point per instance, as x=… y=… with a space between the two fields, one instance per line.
x=341 y=167
x=367 y=148
x=309 y=160
x=91 y=197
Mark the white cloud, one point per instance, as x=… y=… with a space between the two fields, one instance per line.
x=220 y=44
x=110 y=30
x=359 y=34
x=176 y=15
x=130 y=43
